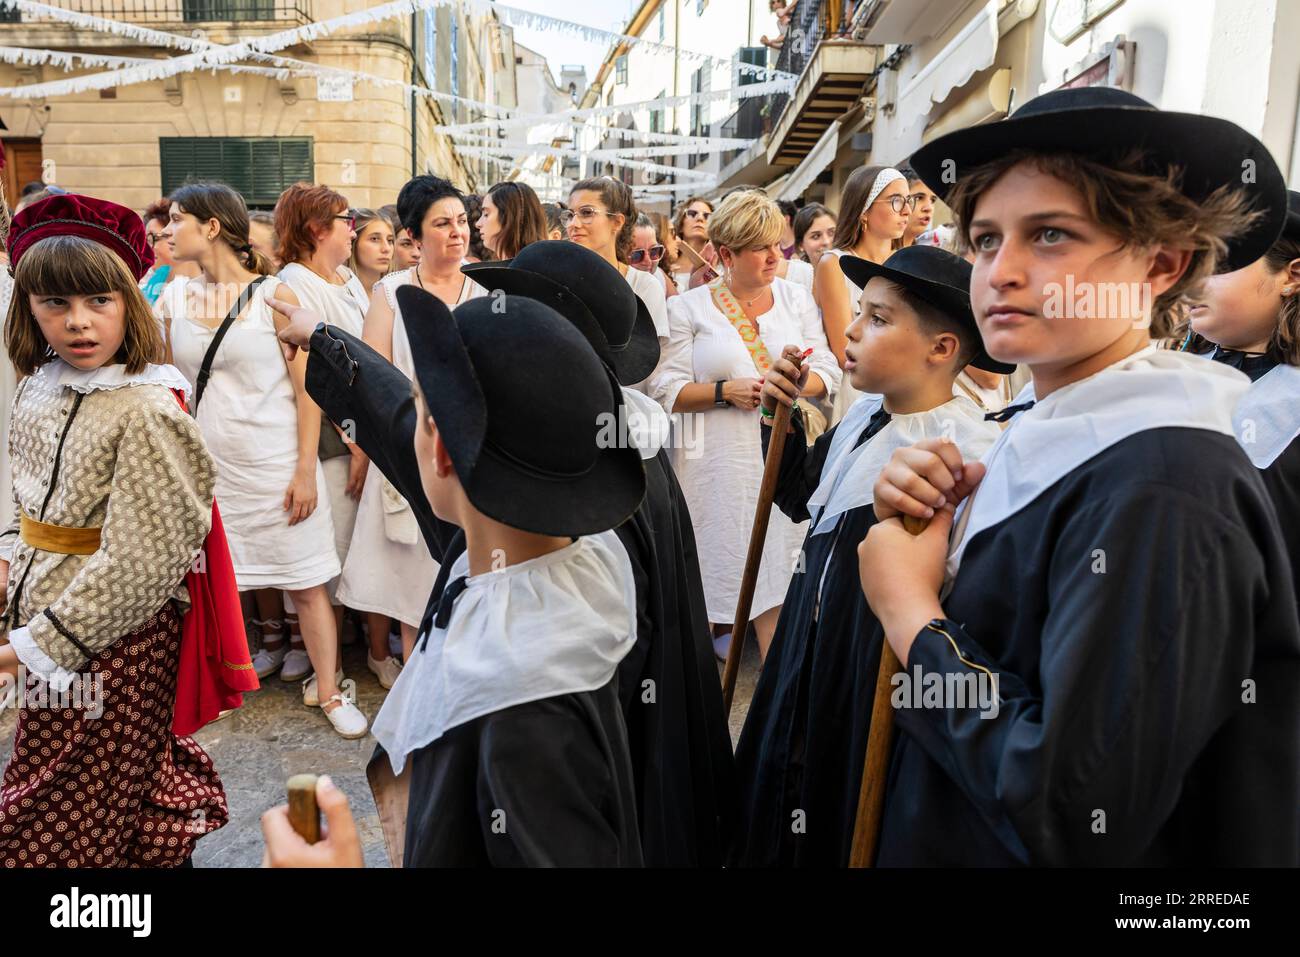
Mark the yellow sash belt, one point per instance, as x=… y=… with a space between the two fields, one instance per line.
x=58 y=538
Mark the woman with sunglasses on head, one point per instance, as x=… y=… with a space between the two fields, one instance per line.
x=372 y=248
x=691 y=226
x=601 y=216
x=165 y=267
x=389 y=565
x=648 y=252
x=511 y=217
x=317 y=231
x=873 y=217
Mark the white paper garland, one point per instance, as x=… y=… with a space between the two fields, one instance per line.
x=510 y=152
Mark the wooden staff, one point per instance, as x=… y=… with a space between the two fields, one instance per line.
x=303 y=813
x=757 y=536
x=871 y=796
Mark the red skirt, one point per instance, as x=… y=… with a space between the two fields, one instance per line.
x=119 y=789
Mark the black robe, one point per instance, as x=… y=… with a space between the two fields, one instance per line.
x=801 y=752
x=1122 y=690
x=547 y=783
x=675 y=726
x=1282 y=477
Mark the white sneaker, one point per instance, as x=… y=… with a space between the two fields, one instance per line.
x=309 y=696
x=347 y=718
x=268 y=661
x=386 y=671
x=296 y=665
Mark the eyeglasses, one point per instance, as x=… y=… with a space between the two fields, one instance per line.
x=655 y=252
x=154 y=238
x=349 y=219
x=703 y=214
x=900 y=203
x=584 y=215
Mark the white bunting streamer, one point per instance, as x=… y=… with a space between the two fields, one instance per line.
x=721 y=142
x=507 y=152
x=604 y=153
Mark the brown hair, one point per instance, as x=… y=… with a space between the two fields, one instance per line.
x=302 y=210
x=364 y=217
x=803 y=221
x=218 y=201
x=1284 y=343
x=857 y=188
x=1141 y=208
x=160 y=210
x=617 y=197
x=523 y=220
x=679 y=217
x=75 y=266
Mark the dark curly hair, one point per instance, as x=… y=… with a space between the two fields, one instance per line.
x=419 y=193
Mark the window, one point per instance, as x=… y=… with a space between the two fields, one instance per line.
x=430 y=47
x=259 y=168
x=195 y=11
x=620 y=70
x=661 y=24
x=657 y=116
x=697 y=108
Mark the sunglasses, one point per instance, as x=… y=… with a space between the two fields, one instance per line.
x=698 y=214
x=655 y=252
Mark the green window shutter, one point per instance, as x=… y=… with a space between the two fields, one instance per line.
x=259 y=168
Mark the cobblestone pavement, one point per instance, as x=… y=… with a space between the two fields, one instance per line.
x=273 y=736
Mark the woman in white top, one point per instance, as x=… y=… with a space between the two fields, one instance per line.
x=389 y=570
x=691 y=226
x=511 y=218
x=372 y=248
x=316 y=231
x=259 y=424
x=873 y=217
x=601 y=216
x=708 y=369
x=648 y=252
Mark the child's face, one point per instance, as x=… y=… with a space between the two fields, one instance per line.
x=887 y=350
x=1050 y=288
x=85 y=331
x=407 y=251
x=1239 y=309
x=923 y=200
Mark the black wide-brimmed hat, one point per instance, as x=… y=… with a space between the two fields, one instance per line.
x=525 y=410
x=1106 y=123
x=581 y=286
x=938 y=277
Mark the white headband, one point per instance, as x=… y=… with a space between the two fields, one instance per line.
x=883 y=179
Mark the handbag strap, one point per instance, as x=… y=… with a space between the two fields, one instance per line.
x=205 y=369
x=729 y=306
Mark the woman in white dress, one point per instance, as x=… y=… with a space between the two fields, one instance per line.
x=259 y=424
x=873 y=217
x=389 y=570
x=709 y=369
x=316 y=231
x=601 y=216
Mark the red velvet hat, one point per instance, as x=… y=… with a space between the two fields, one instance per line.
x=108 y=224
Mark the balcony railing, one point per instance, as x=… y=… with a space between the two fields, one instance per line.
x=178 y=11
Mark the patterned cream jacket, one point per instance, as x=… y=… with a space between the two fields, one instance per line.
x=107 y=449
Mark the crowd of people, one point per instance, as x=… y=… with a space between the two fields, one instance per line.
x=398 y=412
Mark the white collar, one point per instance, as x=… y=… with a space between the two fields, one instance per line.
x=1151 y=389
x=57 y=373
x=849 y=475
x=1267 y=419
x=554 y=625
x=648 y=425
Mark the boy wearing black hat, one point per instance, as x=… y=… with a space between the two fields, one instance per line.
x=801 y=753
x=508 y=712
x=1116 y=565
x=672 y=701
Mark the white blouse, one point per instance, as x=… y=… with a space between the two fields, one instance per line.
x=343 y=305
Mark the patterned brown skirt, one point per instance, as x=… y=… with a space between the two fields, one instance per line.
x=117 y=789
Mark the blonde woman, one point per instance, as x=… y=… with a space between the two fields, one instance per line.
x=722 y=340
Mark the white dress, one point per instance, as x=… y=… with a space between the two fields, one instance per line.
x=718 y=454
x=389 y=570
x=249 y=420
x=343 y=305
x=650 y=288
x=798 y=271
x=847 y=394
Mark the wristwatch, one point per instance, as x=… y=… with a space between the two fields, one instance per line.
x=717 y=393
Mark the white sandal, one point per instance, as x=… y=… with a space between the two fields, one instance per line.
x=347 y=718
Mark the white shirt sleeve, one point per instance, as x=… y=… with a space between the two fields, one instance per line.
x=676 y=362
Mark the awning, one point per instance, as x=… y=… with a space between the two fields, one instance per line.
x=970 y=51
x=818 y=158
x=911 y=21
x=990 y=101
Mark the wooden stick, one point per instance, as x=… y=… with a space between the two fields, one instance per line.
x=757 y=536
x=303 y=813
x=875 y=769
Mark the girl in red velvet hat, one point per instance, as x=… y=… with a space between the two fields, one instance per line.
x=119 y=608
